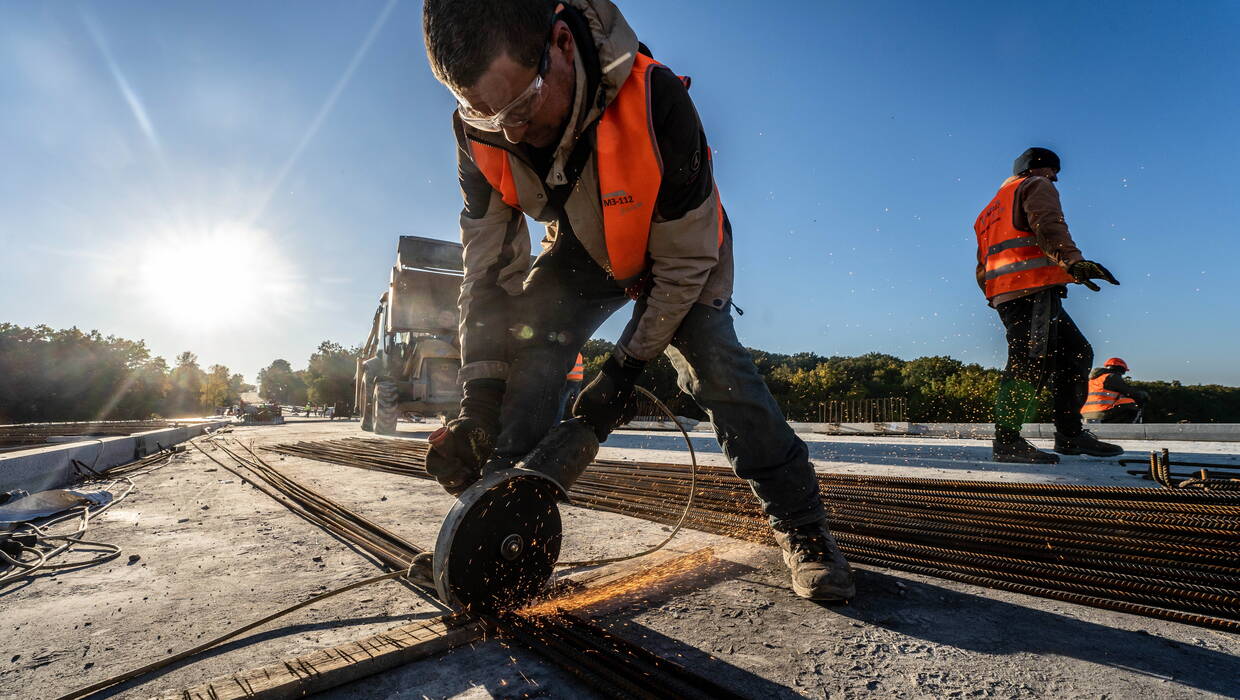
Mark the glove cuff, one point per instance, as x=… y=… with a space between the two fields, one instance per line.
x=626 y=372
x=481 y=401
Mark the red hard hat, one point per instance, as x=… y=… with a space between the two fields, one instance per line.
x=1116 y=362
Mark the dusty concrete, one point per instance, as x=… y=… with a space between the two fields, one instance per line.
x=215 y=553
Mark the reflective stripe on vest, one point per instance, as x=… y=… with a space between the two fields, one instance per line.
x=578 y=372
x=1012 y=259
x=630 y=172
x=1100 y=399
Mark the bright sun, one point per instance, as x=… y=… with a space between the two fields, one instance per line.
x=216 y=279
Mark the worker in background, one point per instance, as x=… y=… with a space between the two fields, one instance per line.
x=1110 y=398
x=572 y=384
x=563 y=116
x=1026 y=259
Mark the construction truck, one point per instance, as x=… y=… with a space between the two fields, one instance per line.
x=409 y=363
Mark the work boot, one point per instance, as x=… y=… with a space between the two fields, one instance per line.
x=1014 y=449
x=1085 y=444
x=819 y=570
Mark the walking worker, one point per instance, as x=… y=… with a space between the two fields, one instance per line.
x=1110 y=398
x=1026 y=259
x=572 y=385
x=563 y=116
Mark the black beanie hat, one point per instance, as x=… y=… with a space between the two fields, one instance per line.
x=1035 y=158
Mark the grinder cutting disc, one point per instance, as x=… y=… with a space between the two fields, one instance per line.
x=498 y=545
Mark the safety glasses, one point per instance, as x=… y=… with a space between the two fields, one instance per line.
x=518 y=112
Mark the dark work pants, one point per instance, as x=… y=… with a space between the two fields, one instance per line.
x=1044 y=346
x=567 y=297
x=1126 y=413
x=567 y=398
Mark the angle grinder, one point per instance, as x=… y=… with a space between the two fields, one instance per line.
x=498 y=546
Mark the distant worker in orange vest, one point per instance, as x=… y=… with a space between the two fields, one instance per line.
x=1110 y=398
x=572 y=384
x=565 y=117
x=1026 y=259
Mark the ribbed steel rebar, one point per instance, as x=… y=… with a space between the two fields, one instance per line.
x=601 y=659
x=1167 y=553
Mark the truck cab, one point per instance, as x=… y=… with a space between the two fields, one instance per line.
x=409 y=363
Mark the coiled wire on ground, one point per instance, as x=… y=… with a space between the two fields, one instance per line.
x=37 y=545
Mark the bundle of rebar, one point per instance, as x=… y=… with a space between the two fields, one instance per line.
x=1218 y=477
x=394 y=551
x=1167 y=553
x=611 y=665
x=14 y=434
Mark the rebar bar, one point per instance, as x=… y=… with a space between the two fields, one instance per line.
x=1166 y=553
x=597 y=657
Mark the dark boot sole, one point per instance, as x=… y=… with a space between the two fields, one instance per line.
x=829 y=595
x=822 y=593
x=1008 y=459
x=1073 y=451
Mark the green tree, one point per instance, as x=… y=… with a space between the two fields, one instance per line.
x=330 y=373
x=50 y=375
x=238 y=385
x=278 y=383
x=185 y=387
x=217 y=388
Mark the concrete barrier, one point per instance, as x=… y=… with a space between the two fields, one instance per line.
x=1202 y=432
x=51 y=466
x=882 y=428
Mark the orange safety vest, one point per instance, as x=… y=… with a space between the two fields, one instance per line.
x=1100 y=400
x=629 y=172
x=1012 y=258
x=578 y=372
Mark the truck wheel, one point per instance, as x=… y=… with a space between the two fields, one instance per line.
x=368 y=413
x=385 y=412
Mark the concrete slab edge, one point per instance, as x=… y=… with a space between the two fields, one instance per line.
x=51 y=466
x=1203 y=432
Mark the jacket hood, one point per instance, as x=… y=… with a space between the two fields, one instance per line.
x=1098 y=372
x=616 y=43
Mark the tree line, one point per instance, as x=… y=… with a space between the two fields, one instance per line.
x=72 y=375
x=326 y=380
x=937 y=389
x=57 y=375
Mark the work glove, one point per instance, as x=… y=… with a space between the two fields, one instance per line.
x=602 y=403
x=460 y=448
x=1085 y=270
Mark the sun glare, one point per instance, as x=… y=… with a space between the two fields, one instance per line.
x=221 y=278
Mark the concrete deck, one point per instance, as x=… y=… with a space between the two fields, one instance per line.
x=215 y=553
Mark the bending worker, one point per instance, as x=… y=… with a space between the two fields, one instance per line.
x=563 y=116
x=1110 y=398
x=1025 y=261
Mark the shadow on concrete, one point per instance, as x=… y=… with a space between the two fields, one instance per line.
x=614 y=615
x=703 y=663
x=934 y=614
x=246 y=641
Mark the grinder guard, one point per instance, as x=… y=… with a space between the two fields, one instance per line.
x=498 y=545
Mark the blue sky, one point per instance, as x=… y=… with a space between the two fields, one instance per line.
x=230 y=177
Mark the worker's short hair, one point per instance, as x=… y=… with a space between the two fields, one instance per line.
x=463 y=37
